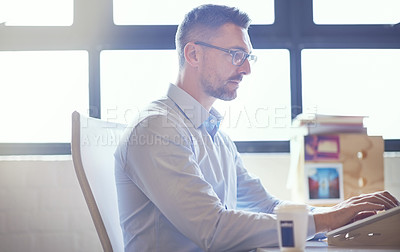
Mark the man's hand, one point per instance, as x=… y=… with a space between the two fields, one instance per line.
x=353 y=209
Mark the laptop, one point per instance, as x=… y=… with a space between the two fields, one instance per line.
x=381 y=229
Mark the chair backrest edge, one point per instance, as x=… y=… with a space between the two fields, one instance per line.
x=84 y=184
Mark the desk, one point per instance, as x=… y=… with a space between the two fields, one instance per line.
x=323 y=246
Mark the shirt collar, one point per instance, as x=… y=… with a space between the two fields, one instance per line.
x=212 y=124
x=191 y=108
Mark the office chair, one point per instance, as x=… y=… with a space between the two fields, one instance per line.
x=93 y=144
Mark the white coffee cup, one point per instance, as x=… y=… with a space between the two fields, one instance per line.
x=292 y=226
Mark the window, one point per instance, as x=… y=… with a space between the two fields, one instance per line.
x=138 y=12
x=356 y=11
x=39 y=91
x=266 y=118
x=128 y=84
x=36 y=12
x=307 y=58
x=355 y=82
x=261 y=112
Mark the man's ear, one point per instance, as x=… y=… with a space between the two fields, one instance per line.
x=192 y=54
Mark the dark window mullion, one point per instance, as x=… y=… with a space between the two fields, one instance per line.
x=94 y=84
x=300 y=17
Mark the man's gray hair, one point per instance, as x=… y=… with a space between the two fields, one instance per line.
x=201 y=23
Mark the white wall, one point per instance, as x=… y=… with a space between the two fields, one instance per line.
x=42 y=208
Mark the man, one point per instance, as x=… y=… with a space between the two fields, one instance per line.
x=181 y=183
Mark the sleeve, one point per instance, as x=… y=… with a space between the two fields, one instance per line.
x=165 y=169
x=252 y=196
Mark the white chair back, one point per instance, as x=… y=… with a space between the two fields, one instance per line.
x=93 y=144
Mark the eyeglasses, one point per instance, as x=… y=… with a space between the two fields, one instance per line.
x=238 y=56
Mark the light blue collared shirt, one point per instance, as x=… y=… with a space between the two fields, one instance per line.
x=182 y=185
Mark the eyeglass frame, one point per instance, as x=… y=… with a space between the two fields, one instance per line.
x=232 y=52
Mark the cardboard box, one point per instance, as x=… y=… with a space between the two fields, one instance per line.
x=326 y=169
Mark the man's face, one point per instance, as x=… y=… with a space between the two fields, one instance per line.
x=220 y=78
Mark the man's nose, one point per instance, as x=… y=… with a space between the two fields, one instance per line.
x=245 y=69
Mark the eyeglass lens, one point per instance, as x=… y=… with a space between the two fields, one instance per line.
x=239 y=57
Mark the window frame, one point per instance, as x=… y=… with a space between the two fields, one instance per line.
x=93 y=30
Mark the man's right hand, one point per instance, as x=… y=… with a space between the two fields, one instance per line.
x=353 y=209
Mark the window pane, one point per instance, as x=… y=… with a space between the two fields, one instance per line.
x=138 y=12
x=131 y=79
x=354 y=82
x=261 y=111
x=36 y=12
x=39 y=91
x=356 y=11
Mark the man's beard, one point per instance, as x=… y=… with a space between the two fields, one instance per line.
x=223 y=92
